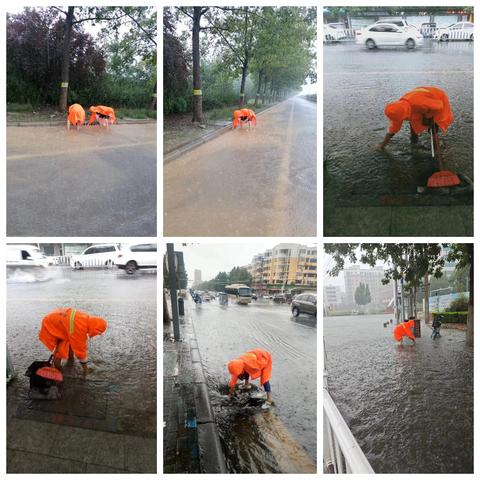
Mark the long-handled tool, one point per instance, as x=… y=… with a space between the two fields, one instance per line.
x=49 y=372
x=442 y=178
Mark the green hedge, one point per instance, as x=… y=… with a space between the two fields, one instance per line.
x=451 y=317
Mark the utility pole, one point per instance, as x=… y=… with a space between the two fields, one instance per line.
x=172 y=282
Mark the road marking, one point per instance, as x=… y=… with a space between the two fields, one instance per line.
x=67 y=153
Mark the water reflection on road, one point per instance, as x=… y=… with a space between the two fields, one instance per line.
x=409 y=407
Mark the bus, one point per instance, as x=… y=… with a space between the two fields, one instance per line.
x=239 y=293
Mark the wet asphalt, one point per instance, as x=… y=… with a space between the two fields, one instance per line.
x=120 y=395
x=409 y=407
x=223 y=333
x=259 y=181
x=358 y=83
x=96 y=181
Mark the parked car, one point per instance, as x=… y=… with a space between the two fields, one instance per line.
x=305 y=303
x=388 y=35
x=96 y=256
x=456 y=31
x=135 y=256
x=26 y=256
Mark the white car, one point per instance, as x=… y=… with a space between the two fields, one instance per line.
x=457 y=31
x=26 y=256
x=135 y=256
x=102 y=255
x=388 y=35
x=398 y=22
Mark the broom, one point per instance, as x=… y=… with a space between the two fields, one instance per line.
x=50 y=372
x=442 y=178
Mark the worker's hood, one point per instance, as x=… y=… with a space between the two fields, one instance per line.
x=96 y=326
x=398 y=111
x=235 y=367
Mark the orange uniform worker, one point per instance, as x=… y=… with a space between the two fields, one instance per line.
x=104 y=115
x=76 y=115
x=65 y=331
x=404 y=330
x=242 y=116
x=253 y=364
x=424 y=108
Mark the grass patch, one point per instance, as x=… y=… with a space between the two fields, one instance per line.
x=135 y=113
x=19 y=107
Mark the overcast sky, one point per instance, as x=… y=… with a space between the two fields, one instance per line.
x=212 y=258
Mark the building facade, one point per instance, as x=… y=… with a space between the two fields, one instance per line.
x=354 y=276
x=197 y=277
x=285 y=267
x=332 y=296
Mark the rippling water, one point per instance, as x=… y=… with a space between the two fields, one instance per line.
x=121 y=391
x=246 y=432
x=409 y=407
x=357 y=86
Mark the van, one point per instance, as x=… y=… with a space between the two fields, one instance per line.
x=26 y=256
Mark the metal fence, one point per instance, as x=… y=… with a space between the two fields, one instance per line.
x=82 y=263
x=341 y=452
x=348 y=34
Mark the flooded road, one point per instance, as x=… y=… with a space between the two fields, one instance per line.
x=249 y=435
x=120 y=395
x=409 y=407
x=358 y=83
x=259 y=181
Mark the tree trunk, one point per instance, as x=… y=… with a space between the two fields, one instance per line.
x=426 y=299
x=259 y=88
x=197 y=80
x=264 y=90
x=242 y=84
x=469 y=336
x=67 y=37
x=153 y=103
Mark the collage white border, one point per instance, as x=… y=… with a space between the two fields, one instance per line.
x=319 y=240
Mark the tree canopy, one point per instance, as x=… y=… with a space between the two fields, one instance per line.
x=217 y=284
x=362 y=294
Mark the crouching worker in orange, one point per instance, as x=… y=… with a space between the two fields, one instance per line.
x=103 y=115
x=244 y=116
x=76 y=116
x=65 y=332
x=251 y=365
x=424 y=108
x=404 y=330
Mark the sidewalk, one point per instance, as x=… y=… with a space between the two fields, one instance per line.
x=190 y=439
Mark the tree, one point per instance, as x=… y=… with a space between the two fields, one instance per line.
x=462 y=253
x=362 y=295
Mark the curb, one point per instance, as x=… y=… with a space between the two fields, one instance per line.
x=212 y=459
x=55 y=123
x=187 y=147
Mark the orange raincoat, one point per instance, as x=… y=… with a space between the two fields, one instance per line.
x=428 y=102
x=76 y=114
x=257 y=363
x=403 y=330
x=244 y=115
x=102 y=110
x=67 y=328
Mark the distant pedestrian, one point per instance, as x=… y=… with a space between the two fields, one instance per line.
x=436 y=327
x=65 y=331
x=404 y=330
x=424 y=108
x=252 y=365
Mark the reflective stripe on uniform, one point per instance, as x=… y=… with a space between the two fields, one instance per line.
x=72 y=320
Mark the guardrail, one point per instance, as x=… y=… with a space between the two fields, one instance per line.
x=348 y=34
x=82 y=263
x=341 y=452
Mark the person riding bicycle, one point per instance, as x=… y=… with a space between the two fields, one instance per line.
x=436 y=327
